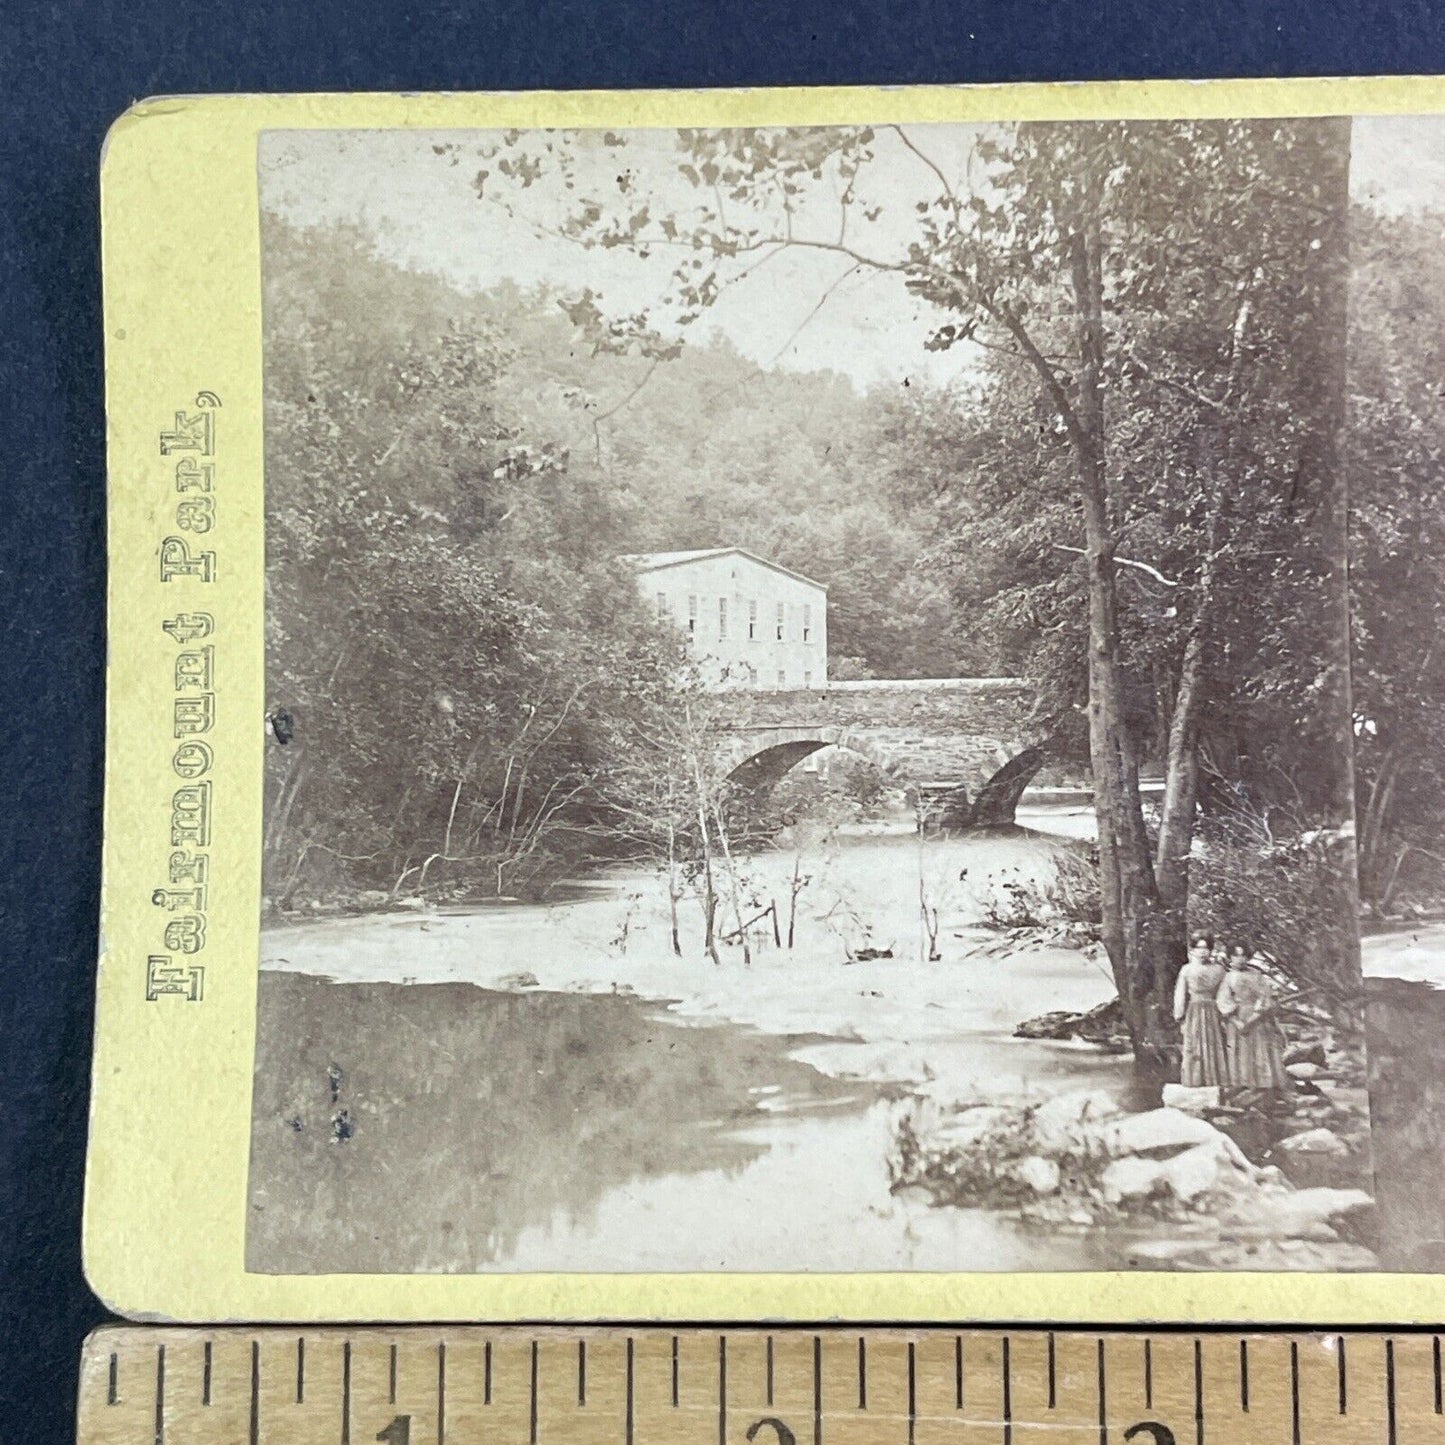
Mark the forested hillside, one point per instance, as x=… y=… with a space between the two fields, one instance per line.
x=451 y=476
x=702 y=449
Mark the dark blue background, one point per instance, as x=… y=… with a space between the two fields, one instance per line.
x=66 y=70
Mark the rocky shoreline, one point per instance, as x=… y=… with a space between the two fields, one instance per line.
x=1244 y=1182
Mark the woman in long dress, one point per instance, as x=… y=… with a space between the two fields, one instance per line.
x=1253 y=1039
x=1204 y=1063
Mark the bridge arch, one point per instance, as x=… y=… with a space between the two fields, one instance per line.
x=761 y=761
x=987 y=798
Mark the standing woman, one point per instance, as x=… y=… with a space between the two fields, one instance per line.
x=1254 y=1040
x=1204 y=1062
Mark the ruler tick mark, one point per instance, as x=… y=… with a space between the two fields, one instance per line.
x=958 y=1372
x=255 y=1428
x=581 y=1372
x=1340 y=1370
x=1103 y=1396
x=346 y=1391
x=486 y=1373
x=1008 y=1408
x=722 y=1389
x=1198 y=1393
x=817 y=1390
x=1390 y=1392
x=912 y=1394
x=111 y=1397
x=1053 y=1386
x=532 y=1428
x=1148 y=1374
x=1294 y=1391
x=862 y=1374
x=630 y=1389
x=674 y=1374
x=441 y=1393
x=1244 y=1376
x=160 y=1431
x=300 y=1369
x=391 y=1378
x=770 y=1369
x=205 y=1374
x=1435 y=1354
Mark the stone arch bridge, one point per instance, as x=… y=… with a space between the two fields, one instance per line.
x=967 y=745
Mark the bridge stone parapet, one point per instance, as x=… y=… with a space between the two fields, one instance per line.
x=969 y=743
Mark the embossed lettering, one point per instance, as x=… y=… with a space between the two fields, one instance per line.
x=176 y=561
x=193 y=669
x=165 y=977
x=188 y=934
x=194 y=715
x=191 y=816
x=192 y=434
x=196 y=514
x=174 y=899
x=194 y=476
x=185 y=867
x=187 y=627
x=192 y=760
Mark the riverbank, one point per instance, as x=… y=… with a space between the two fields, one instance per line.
x=944 y=1026
x=862 y=1044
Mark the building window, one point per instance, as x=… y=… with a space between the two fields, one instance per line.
x=662 y=606
x=807 y=621
x=722 y=617
x=782 y=679
x=692 y=614
x=782 y=615
x=753 y=620
x=807 y=679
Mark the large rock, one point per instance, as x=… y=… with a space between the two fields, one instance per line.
x=1313 y=1141
x=1039 y=1174
x=1069 y=1123
x=1295 y=1213
x=1211 y=1168
x=1060 y=1024
x=965 y=1129
x=1157 y=1133
x=1191 y=1100
x=1130 y=1178
x=1304 y=1069
x=1275 y=1255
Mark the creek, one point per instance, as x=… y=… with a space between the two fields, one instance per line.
x=534 y=1086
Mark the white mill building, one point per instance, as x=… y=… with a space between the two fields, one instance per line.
x=750 y=623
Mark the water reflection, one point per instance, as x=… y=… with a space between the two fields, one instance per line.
x=469 y=1118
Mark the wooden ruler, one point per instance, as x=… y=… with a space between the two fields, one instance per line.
x=750 y=1386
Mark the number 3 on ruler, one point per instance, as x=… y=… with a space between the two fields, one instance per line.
x=398 y=1432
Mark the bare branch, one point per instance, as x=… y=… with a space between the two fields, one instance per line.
x=942 y=179
x=1153 y=572
x=815 y=309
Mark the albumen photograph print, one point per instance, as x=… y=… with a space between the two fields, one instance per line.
x=853 y=698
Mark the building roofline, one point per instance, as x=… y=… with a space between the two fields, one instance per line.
x=640 y=561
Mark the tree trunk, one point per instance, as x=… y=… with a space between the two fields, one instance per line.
x=672 y=888
x=1181 y=765
x=1181 y=796
x=1129 y=900
x=1324 y=492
